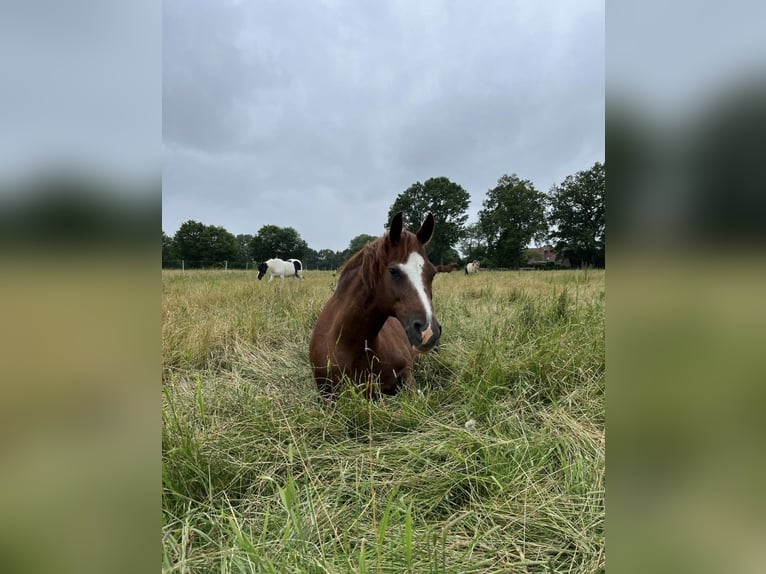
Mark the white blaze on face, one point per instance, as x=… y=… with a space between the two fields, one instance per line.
x=413 y=270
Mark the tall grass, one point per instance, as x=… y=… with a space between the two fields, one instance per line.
x=498 y=467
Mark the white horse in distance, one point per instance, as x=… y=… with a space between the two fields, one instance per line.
x=472 y=267
x=280 y=268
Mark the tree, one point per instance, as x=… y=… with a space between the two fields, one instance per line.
x=329 y=259
x=578 y=217
x=324 y=259
x=472 y=245
x=243 y=249
x=169 y=256
x=513 y=215
x=356 y=244
x=189 y=244
x=274 y=241
x=201 y=245
x=448 y=202
x=219 y=245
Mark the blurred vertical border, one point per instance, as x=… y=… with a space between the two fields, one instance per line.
x=80 y=213
x=80 y=206
x=686 y=269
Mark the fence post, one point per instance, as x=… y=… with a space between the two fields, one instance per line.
x=182 y=265
x=226 y=265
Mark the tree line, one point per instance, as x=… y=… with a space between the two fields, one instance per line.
x=514 y=214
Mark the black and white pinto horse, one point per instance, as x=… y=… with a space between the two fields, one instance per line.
x=280 y=268
x=472 y=267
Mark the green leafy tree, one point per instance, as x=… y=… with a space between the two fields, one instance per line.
x=169 y=255
x=328 y=259
x=189 y=243
x=472 y=245
x=311 y=259
x=274 y=241
x=578 y=217
x=356 y=244
x=448 y=202
x=219 y=245
x=243 y=249
x=200 y=245
x=324 y=259
x=513 y=215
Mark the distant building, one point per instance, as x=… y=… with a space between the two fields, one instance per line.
x=549 y=254
x=545 y=254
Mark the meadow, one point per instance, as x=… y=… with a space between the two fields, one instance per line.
x=497 y=467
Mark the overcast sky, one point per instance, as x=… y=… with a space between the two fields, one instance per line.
x=315 y=114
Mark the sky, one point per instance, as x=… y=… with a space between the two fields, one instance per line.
x=316 y=114
x=81 y=88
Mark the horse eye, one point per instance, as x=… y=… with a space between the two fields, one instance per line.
x=395 y=273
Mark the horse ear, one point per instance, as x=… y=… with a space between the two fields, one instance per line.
x=395 y=228
x=426 y=230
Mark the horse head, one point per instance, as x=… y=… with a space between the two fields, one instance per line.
x=405 y=286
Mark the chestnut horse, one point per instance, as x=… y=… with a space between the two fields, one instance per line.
x=379 y=316
x=446 y=268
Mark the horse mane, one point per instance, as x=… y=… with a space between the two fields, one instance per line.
x=370 y=262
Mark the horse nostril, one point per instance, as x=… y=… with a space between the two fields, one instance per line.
x=418 y=327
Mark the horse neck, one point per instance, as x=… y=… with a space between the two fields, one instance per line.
x=360 y=317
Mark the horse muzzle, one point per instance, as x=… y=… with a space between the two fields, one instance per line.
x=423 y=338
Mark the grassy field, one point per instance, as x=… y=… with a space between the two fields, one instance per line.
x=498 y=467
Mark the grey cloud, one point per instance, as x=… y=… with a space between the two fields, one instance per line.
x=353 y=102
x=78 y=89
